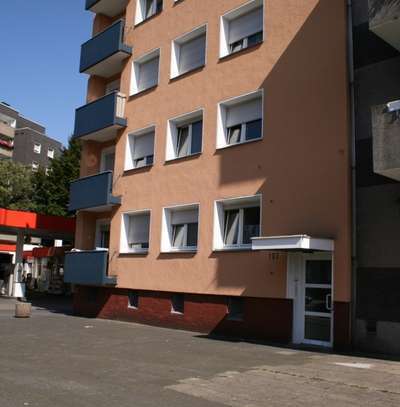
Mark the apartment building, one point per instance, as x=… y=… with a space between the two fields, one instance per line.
x=215 y=189
x=376 y=32
x=25 y=141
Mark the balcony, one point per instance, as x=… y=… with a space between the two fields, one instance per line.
x=6 y=130
x=100 y=120
x=384 y=20
x=103 y=54
x=109 y=8
x=93 y=193
x=386 y=140
x=88 y=268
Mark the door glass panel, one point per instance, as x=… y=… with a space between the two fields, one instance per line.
x=318 y=272
x=109 y=160
x=317 y=328
x=317 y=299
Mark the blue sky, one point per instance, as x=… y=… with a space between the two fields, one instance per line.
x=39 y=54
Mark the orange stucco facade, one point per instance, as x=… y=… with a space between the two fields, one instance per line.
x=301 y=166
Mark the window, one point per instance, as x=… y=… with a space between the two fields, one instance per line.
x=37 y=148
x=113 y=86
x=236 y=222
x=145 y=72
x=177 y=303
x=48 y=171
x=107 y=161
x=240 y=120
x=50 y=153
x=135 y=232
x=242 y=28
x=140 y=149
x=235 y=309
x=35 y=166
x=102 y=234
x=180 y=228
x=147 y=8
x=133 y=300
x=188 y=52
x=185 y=135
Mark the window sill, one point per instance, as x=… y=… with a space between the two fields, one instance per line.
x=234 y=249
x=240 y=144
x=235 y=319
x=177 y=313
x=184 y=74
x=139 y=252
x=240 y=52
x=144 y=167
x=173 y=251
x=143 y=91
x=147 y=19
x=186 y=157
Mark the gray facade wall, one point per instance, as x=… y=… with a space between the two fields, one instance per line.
x=24 y=142
x=22 y=122
x=377 y=82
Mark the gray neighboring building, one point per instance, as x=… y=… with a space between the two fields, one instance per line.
x=24 y=140
x=376 y=33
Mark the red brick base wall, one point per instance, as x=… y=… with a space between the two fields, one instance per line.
x=264 y=318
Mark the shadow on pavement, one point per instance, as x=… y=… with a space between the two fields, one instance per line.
x=57 y=304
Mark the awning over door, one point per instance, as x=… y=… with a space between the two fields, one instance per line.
x=293 y=242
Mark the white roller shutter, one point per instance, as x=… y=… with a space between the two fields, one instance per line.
x=244 y=112
x=148 y=74
x=246 y=25
x=192 y=54
x=139 y=229
x=184 y=216
x=143 y=146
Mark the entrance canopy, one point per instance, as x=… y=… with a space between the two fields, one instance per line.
x=293 y=242
x=37 y=225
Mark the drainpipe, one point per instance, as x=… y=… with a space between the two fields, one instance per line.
x=350 y=47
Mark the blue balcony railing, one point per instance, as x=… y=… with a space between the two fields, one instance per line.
x=88 y=268
x=110 y=8
x=93 y=193
x=100 y=120
x=103 y=54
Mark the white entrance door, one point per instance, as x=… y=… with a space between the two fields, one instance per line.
x=107 y=159
x=103 y=234
x=310 y=286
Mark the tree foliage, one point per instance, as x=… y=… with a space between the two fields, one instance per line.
x=47 y=194
x=16 y=186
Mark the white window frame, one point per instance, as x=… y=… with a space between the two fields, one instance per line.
x=130 y=294
x=172 y=133
x=173 y=310
x=99 y=224
x=135 y=75
x=125 y=219
x=130 y=148
x=167 y=229
x=113 y=86
x=50 y=152
x=37 y=148
x=140 y=10
x=222 y=134
x=219 y=220
x=104 y=152
x=224 y=46
x=35 y=166
x=178 y=42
